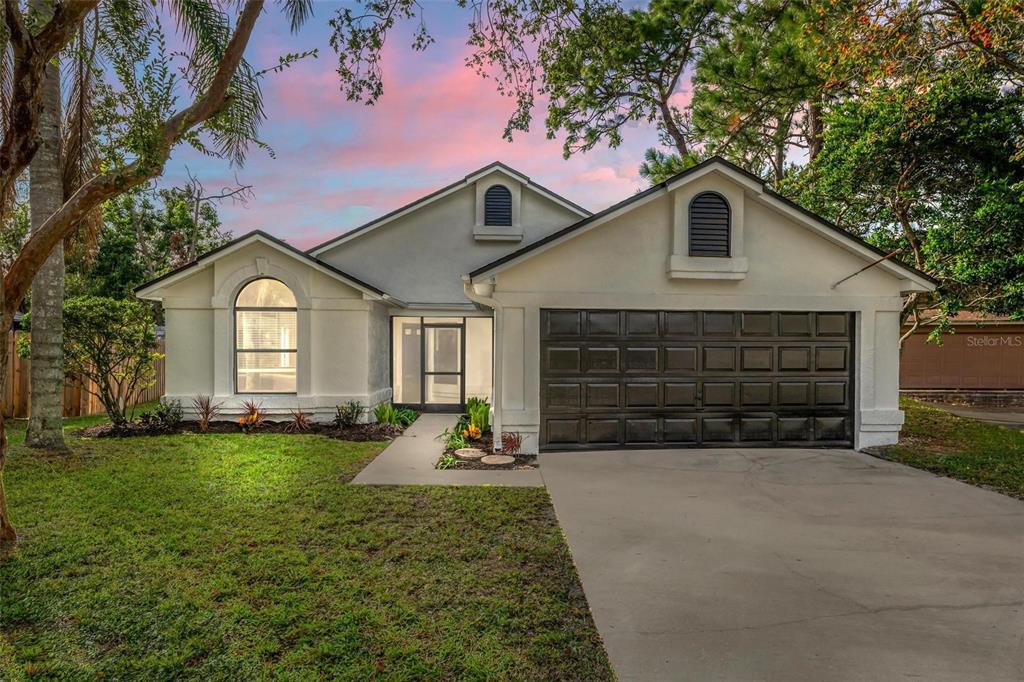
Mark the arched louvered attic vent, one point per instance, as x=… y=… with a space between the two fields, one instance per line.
x=498 y=206
x=709 y=225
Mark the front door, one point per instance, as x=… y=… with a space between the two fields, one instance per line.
x=442 y=364
x=429 y=362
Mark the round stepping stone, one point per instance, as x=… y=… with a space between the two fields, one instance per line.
x=469 y=453
x=498 y=459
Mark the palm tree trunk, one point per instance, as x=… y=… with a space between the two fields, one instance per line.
x=46 y=196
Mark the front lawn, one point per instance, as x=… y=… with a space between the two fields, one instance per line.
x=970 y=450
x=229 y=557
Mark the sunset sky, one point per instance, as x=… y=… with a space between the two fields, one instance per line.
x=339 y=164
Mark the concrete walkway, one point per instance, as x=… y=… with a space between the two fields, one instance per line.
x=410 y=460
x=1010 y=417
x=791 y=565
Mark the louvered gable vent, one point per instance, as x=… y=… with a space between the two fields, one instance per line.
x=709 y=225
x=498 y=206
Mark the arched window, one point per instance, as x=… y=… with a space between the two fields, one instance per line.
x=498 y=206
x=265 y=338
x=709 y=225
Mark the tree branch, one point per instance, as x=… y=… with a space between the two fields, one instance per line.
x=101 y=187
x=31 y=55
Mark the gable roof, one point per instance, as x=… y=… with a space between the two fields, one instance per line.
x=746 y=178
x=273 y=242
x=443 y=192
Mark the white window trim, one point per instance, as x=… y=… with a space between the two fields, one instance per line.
x=681 y=265
x=506 y=233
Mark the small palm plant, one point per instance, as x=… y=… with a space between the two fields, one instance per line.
x=253 y=418
x=299 y=422
x=206 y=411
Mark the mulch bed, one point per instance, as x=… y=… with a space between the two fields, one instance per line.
x=486 y=444
x=357 y=433
x=522 y=462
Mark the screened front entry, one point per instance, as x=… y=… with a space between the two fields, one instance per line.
x=438 y=362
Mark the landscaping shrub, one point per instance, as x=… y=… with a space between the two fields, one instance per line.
x=165 y=417
x=206 y=411
x=511 y=443
x=254 y=416
x=349 y=414
x=113 y=343
x=479 y=412
x=386 y=413
x=299 y=422
x=407 y=415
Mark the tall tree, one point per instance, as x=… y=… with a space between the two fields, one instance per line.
x=46 y=194
x=758 y=94
x=599 y=66
x=224 y=104
x=931 y=176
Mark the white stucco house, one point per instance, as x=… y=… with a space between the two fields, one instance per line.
x=706 y=310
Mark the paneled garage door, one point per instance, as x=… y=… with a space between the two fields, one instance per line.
x=613 y=378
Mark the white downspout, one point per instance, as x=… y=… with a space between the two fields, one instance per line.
x=483 y=293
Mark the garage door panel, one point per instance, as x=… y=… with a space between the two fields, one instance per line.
x=600 y=323
x=719 y=359
x=564 y=360
x=563 y=323
x=604 y=431
x=653 y=378
x=830 y=360
x=759 y=428
x=641 y=431
x=680 y=394
x=755 y=393
x=603 y=395
x=680 y=359
x=718 y=429
x=794 y=428
x=642 y=395
x=642 y=323
x=640 y=359
x=756 y=324
x=563 y=395
x=680 y=324
x=756 y=359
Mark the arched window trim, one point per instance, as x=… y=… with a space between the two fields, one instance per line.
x=498 y=215
x=704 y=252
x=236 y=309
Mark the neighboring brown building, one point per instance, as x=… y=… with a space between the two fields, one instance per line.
x=983 y=361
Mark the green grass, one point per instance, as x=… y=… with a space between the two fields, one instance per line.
x=969 y=450
x=230 y=557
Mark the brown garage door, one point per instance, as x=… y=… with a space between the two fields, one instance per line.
x=613 y=378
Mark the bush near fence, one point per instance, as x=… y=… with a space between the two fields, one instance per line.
x=78 y=401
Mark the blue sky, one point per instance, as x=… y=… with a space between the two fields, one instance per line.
x=339 y=163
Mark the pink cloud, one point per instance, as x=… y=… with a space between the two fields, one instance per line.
x=340 y=163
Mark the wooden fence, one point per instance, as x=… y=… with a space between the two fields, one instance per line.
x=78 y=400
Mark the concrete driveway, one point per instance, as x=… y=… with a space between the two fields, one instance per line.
x=792 y=565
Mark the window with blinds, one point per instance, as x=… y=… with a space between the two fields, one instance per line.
x=709 y=225
x=265 y=338
x=498 y=206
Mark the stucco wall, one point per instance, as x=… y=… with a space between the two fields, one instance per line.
x=421 y=257
x=342 y=336
x=624 y=263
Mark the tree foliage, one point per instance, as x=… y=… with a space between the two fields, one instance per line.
x=147 y=233
x=112 y=343
x=931 y=175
